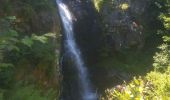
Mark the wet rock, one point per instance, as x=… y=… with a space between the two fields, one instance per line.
x=124 y=26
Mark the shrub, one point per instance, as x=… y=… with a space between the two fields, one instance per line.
x=29 y=93
x=16 y=47
x=135 y=90
x=154 y=86
x=160 y=84
x=162 y=58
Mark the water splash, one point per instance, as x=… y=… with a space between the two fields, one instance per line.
x=71 y=46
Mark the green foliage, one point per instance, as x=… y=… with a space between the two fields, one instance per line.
x=29 y=93
x=44 y=38
x=166 y=39
x=16 y=46
x=131 y=91
x=6 y=75
x=24 y=47
x=166 y=20
x=162 y=58
x=8 y=40
x=154 y=86
x=99 y=4
x=124 y=6
x=160 y=84
x=8 y=36
x=29 y=41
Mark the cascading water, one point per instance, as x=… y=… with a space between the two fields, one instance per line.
x=71 y=46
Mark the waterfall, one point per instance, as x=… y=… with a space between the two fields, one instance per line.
x=67 y=21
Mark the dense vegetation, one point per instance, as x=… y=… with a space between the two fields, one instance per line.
x=28 y=44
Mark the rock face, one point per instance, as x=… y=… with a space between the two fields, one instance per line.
x=37 y=17
x=86 y=26
x=123 y=24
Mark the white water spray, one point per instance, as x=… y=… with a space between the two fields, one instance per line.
x=71 y=46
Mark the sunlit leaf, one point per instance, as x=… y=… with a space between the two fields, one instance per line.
x=27 y=41
x=42 y=39
x=124 y=6
x=11 y=17
x=53 y=35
